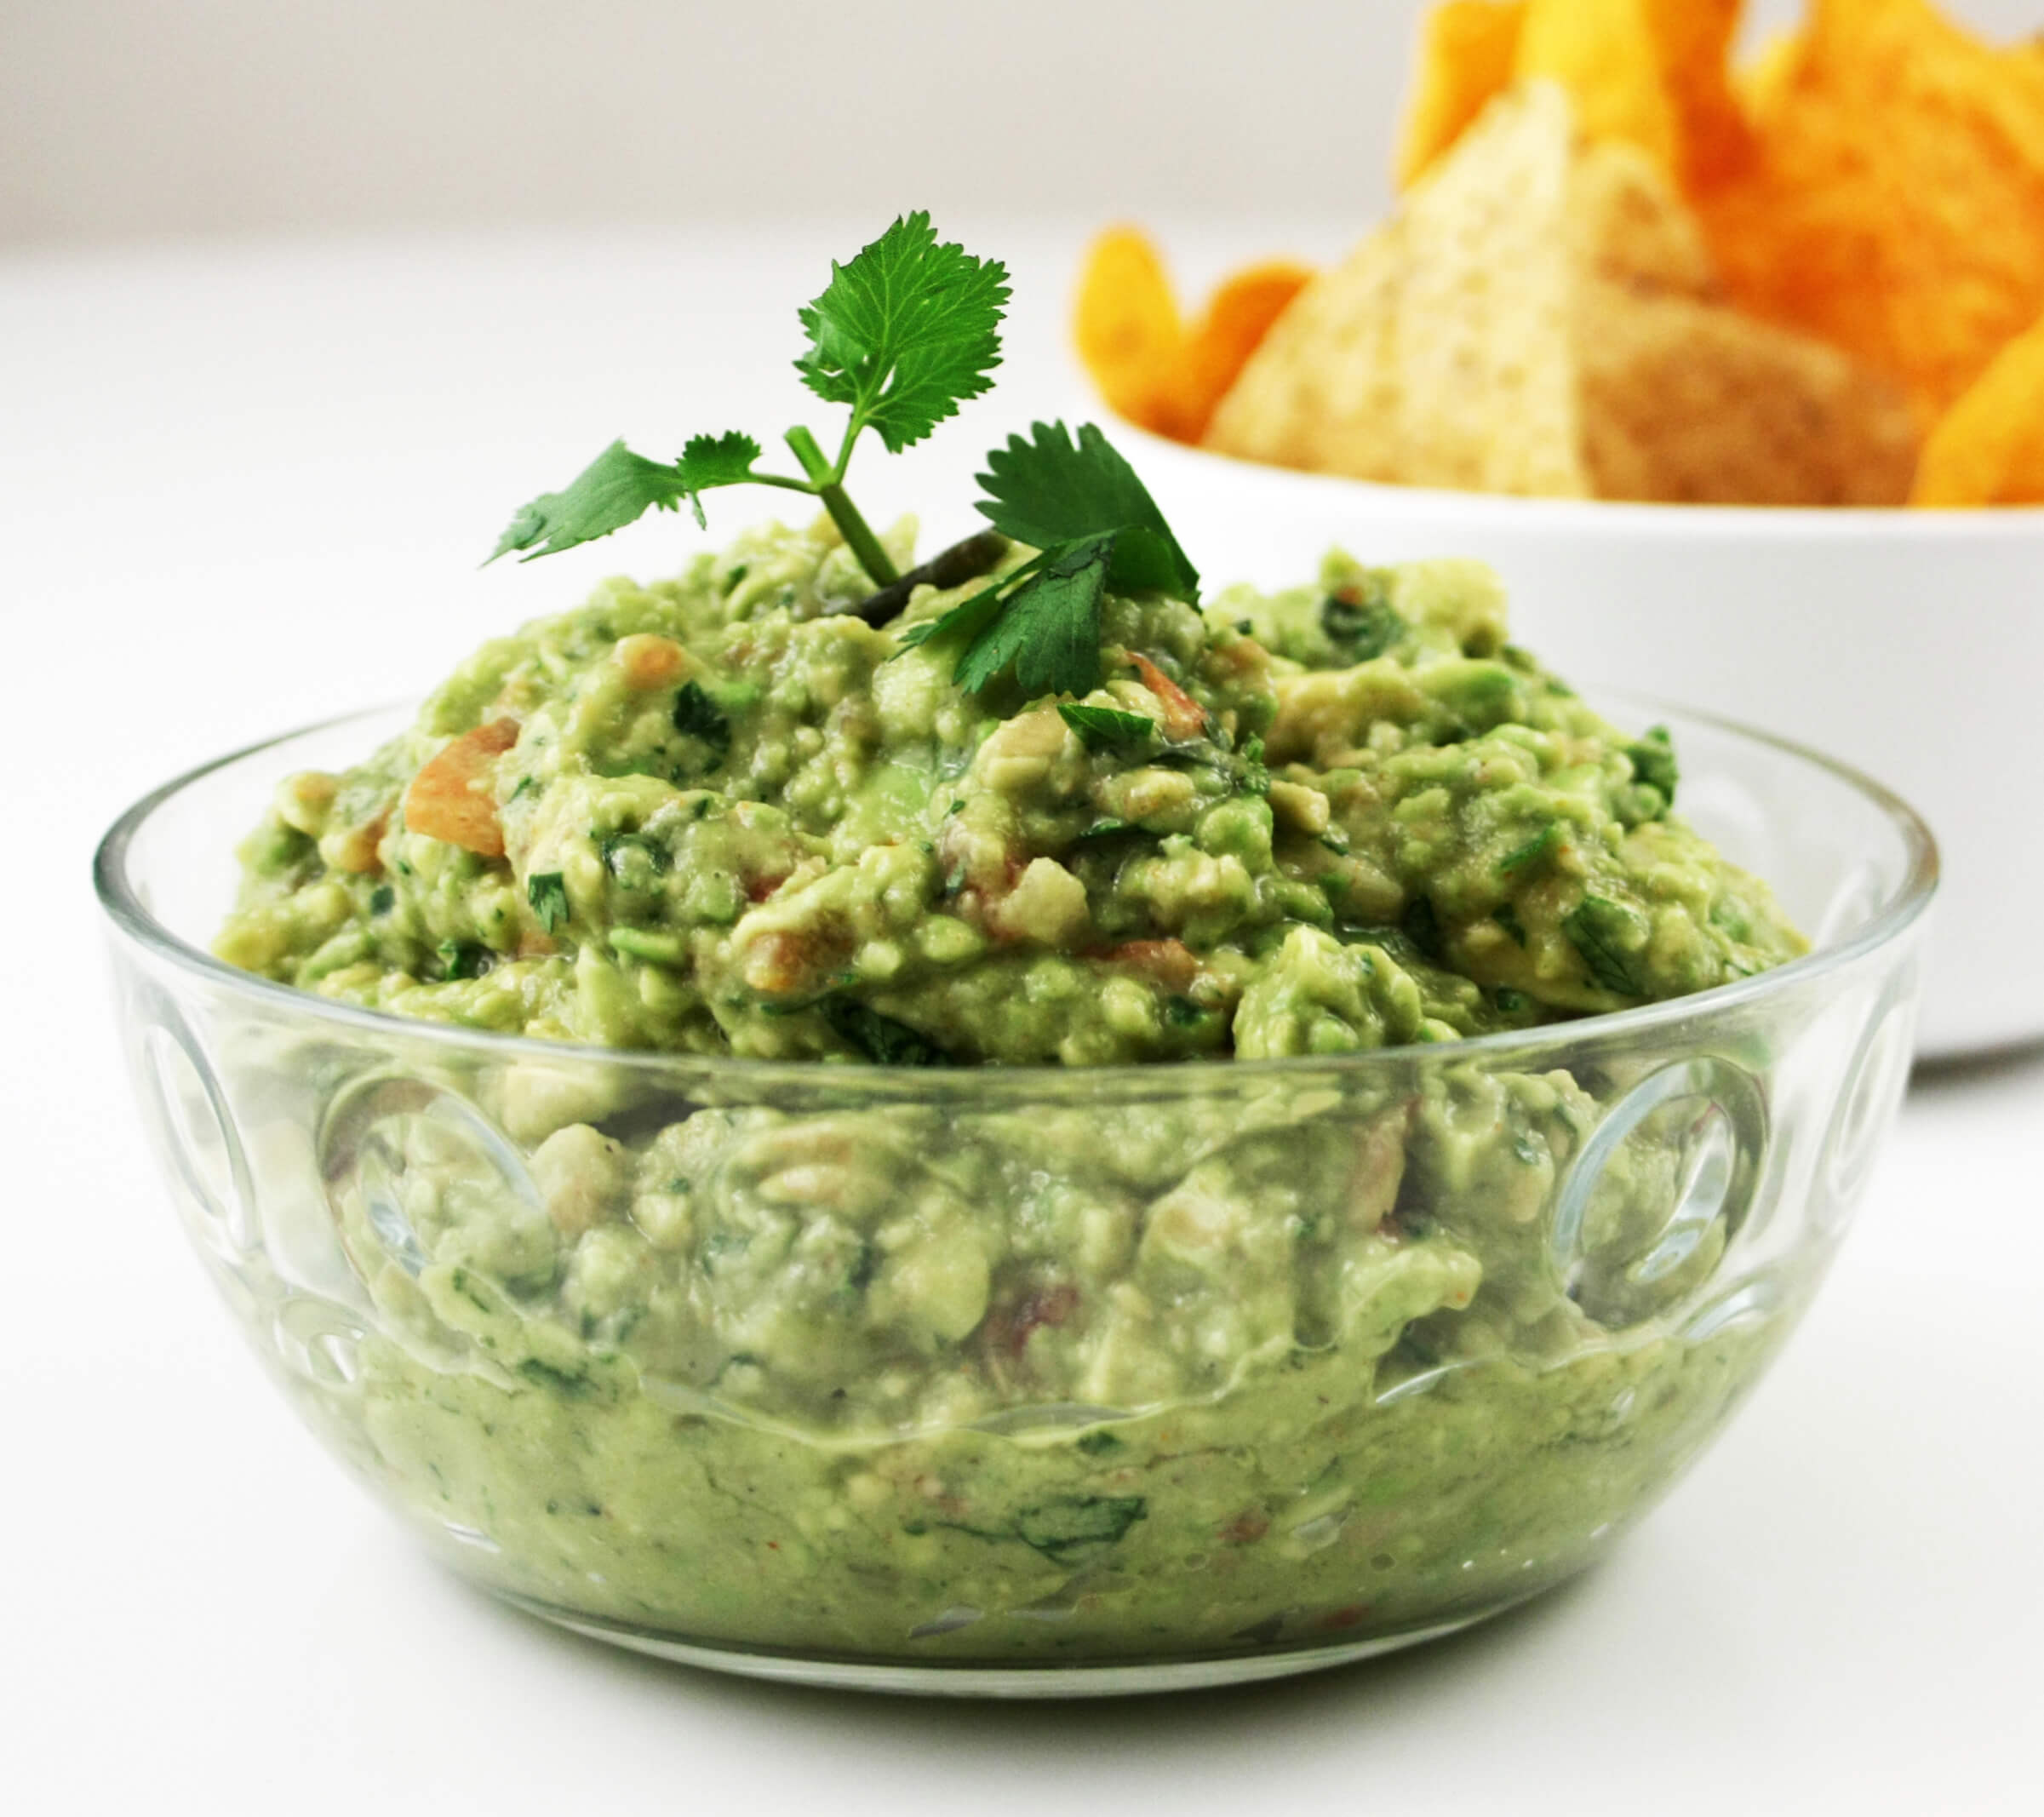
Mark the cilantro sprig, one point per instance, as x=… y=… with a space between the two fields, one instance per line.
x=1095 y=526
x=904 y=333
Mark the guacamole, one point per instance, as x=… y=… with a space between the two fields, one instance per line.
x=1012 y=1365
x=724 y=815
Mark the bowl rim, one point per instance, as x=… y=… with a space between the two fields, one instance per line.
x=1902 y=908
x=1475 y=512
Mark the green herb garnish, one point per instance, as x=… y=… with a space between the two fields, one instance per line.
x=1359 y=620
x=1421 y=924
x=1068 y=1525
x=1095 y=525
x=1104 y=728
x=879 y=1038
x=698 y=716
x=561 y=1381
x=1597 y=928
x=1252 y=774
x=1102 y=829
x=463 y=959
x=547 y=892
x=903 y=335
x=1537 y=847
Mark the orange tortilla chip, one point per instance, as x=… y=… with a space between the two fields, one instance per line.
x=1895 y=204
x=1989 y=448
x=1128 y=329
x=1656 y=72
x=1237 y=318
x=1149 y=366
x=1693 y=43
x=1604 y=53
x=1467 y=49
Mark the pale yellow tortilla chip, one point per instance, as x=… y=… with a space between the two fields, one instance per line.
x=1437 y=353
x=1688 y=402
x=1625 y=223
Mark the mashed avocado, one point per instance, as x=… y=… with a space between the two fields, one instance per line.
x=1015 y=1368
x=723 y=814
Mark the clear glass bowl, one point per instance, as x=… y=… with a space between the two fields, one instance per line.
x=1027 y=1381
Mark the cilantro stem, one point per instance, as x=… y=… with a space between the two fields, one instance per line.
x=952 y=567
x=857 y=533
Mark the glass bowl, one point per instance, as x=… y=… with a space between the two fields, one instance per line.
x=1027 y=1381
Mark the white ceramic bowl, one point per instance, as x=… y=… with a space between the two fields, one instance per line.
x=1910 y=643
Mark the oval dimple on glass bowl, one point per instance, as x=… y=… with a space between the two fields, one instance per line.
x=1030 y=1381
x=196 y=1136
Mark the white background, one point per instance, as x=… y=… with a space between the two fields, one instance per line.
x=156 y=117
x=245 y=483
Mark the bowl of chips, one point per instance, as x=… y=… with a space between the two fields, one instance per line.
x=1735 y=369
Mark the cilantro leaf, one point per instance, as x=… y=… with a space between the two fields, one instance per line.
x=1360 y=621
x=1602 y=932
x=698 y=716
x=1102 y=728
x=617 y=488
x=1070 y=1526
x=1104 y=829
x=1045 y=623
x=463 y=959
x=708 y=460
x=879 y=1038
x=905 y=332
x=1421 y=924
x=547 y=892
x=1050 y=490
x=1546 y=840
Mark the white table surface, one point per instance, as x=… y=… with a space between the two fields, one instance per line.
x=246 y=486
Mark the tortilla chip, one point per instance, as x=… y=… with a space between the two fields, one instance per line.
x=1128 y=329
x=1543 y=317
x=1654 y=73
x=1693 y=41
x=1237 y=318
x=1894 y=203
x=1626 y=223
x=1989 y=448
x=1438 y=352
x=1690 y=403
x=1758 y=86
x=1466 y=51
x=1604 y=53
x=1150 y=368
